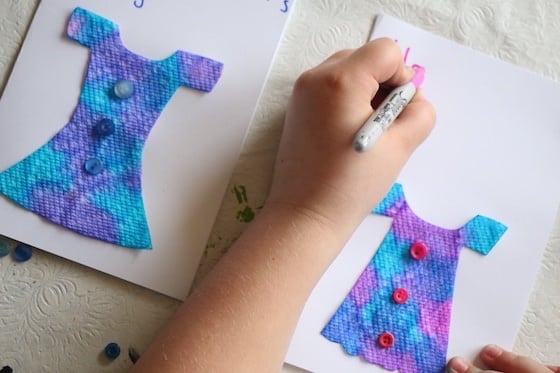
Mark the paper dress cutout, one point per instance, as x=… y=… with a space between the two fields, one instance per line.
x=397 y=314
x=87 y=178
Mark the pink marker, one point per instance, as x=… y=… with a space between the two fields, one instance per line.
x=387 y=112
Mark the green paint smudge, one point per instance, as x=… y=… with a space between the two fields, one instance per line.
x=246 y=215
x=240 y=193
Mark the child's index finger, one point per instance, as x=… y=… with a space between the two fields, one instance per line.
x=382 y=61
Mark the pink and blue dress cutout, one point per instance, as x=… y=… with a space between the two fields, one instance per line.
x=397 y=315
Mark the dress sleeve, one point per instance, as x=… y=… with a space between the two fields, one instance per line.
x=482 y=233
x=88 y=28
x=392 y=202
x=198 y=72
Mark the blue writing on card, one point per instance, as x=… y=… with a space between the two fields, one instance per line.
x=285 y=6
x=138 y=3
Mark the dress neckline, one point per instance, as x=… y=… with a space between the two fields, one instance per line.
x=119 y=41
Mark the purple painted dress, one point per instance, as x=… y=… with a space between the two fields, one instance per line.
x=397 y=314
x=87 y=178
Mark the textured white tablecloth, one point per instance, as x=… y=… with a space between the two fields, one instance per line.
x=56 y=316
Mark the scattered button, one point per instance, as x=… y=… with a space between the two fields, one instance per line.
x=400 y=296
x=112 y=350
x=93 y=166
x=386 y=340
x=4 y=248
x=23 y=252
x=123 y=89
x=419 y=250
x=104 y=127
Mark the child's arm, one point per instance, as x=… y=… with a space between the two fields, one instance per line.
x=241 y=318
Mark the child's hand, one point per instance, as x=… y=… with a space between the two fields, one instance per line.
x=317 y=170
x=500 y=361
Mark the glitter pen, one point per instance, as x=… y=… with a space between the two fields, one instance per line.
x=388 y=111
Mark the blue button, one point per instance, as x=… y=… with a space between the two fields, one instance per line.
x=104 y=127
x=23 y=252
x=112 y=350
x=4 y=247
x=123 y=89
x=93 y=166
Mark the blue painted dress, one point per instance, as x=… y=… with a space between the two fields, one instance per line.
x=87 y=178
x=397 y=315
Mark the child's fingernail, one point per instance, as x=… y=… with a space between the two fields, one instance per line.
x=458 y=365
x=492 y=351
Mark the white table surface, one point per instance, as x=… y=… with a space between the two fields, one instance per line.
x=56 y=316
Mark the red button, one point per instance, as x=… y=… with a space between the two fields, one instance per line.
x=386 y=340
x=419 y=250
x=400 y=296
